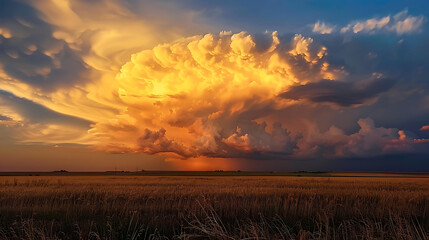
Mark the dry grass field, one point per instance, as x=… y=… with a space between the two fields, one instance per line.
x=210 y=207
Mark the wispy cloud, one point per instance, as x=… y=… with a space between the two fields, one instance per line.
x=400 y=23
x=323 y=28
x=32 y=122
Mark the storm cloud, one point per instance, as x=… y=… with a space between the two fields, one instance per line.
x=339 y=92
x=30 y=53
x=160 y=78
x=26 y=121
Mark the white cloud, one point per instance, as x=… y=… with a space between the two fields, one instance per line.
x=401 y=23
x=407 y=24
x=371 y=24
x=323 y=28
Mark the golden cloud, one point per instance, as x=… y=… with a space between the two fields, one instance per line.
x=203 y=95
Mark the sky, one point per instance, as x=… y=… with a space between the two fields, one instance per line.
x=206 y=85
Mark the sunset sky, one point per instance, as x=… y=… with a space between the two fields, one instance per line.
x=204 y=85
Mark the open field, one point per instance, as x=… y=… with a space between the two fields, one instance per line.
x=224 y=173
x=308 y=206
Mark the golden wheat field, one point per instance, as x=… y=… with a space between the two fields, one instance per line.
x=214 y=207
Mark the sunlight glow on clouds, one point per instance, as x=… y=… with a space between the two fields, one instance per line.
x=154 y=78
x=203 y=96
x=106 y=31
x=190 y=97
x=61 y=61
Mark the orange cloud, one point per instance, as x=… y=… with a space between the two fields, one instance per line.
x=424 y=128
x=199 y=96
x=102 y=35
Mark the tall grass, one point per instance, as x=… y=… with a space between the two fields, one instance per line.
x=149 y=207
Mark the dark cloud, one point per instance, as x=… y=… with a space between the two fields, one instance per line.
x=253 y=140
x=249 y=140
x=402 y=58
x=31 y=54
x=35 y=113
x=340 y=93
x=369 y=141
x=152 y=142
x=4 y=118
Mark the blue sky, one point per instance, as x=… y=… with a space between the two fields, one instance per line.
x=293 y=16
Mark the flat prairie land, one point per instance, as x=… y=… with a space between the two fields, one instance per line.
x=301 y=206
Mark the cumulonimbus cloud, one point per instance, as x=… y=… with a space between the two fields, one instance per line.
x=209 y=96
x=202 y=96
x=212 y=95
